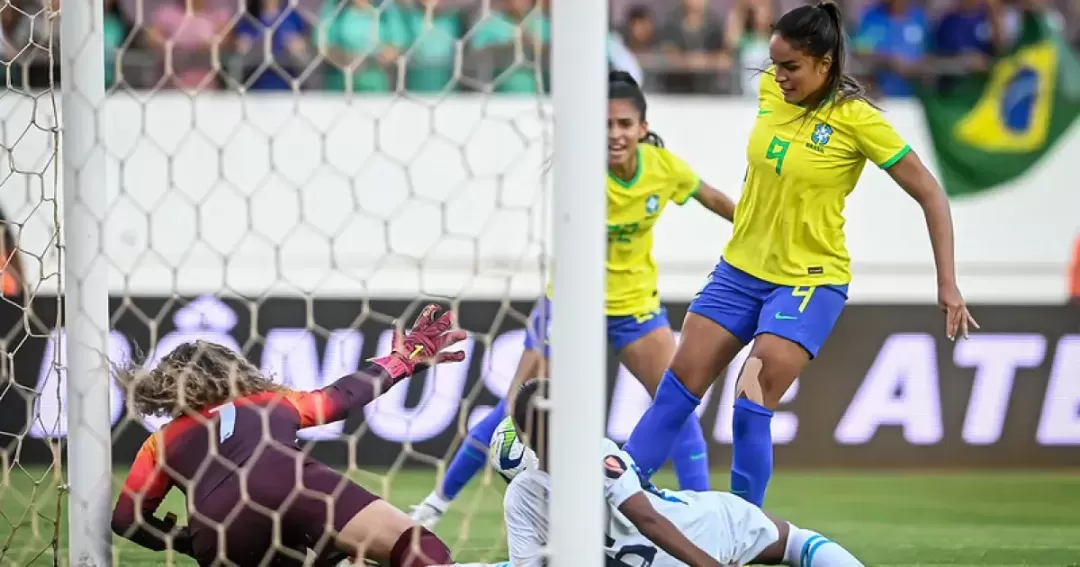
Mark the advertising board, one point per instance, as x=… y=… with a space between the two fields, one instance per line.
x=888 y=390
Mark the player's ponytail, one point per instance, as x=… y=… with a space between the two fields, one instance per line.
x=818 y=30
x=623 y=86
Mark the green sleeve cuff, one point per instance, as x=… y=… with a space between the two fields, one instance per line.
x=899 y=155
x=690 y=194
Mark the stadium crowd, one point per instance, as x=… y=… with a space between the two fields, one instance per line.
x=431 y=46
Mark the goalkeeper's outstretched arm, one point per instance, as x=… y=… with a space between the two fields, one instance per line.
x=663 y=533
x=420 y=347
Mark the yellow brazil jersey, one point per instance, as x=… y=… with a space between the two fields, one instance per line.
x=633 y=208
x=789 y=222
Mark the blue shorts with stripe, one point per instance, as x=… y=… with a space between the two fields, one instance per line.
x=621 y=329
x=748 y=306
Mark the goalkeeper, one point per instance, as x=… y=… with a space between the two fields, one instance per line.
x=648 y=526
x=232 y=449
x=643 y=178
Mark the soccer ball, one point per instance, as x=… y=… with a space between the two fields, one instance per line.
x=507 y=454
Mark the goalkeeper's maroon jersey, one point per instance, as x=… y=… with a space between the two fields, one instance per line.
x=240 y=462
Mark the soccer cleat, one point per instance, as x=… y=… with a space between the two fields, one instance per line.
x=428 y=513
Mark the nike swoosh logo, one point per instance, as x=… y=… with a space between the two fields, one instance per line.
x=763 y=111
x=697 y=456
x=782 y=317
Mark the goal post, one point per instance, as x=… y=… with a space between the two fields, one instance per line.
x=579 y=350
x=295 y=227
x=85 y=283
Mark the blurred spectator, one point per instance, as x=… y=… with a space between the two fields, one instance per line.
x=894 y=33
x=35 y=33
x=115 y=30
x=187 y=36
x=971 y=28
x=495 y=38
x=693 y=41
x=362 y=43
x=8 y=22
x=433 y=30
x=749 y=27
x=11 y=280
x=620 y=57
x=639 y=31
x=272 y=45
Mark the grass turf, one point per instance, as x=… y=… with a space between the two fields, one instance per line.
x=887 y=519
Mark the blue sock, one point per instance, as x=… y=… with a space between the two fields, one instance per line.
x=471 y=457
x=752 y=455
x=653 y=437
x=691 y=457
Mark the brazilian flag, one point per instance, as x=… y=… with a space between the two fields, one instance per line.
x=989 y=130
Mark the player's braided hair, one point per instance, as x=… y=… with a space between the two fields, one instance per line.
x=623 y=86
x=194 y=376
x=530 y=414
x=818 y=30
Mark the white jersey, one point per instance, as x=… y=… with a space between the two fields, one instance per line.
x=723 y=525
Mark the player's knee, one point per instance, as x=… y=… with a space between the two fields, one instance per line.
x=750 y=383
x=418 y=547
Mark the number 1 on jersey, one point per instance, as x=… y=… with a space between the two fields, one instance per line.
x=777 y=150
x=227 y=422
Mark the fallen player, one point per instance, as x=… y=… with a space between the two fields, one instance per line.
x=649 y=526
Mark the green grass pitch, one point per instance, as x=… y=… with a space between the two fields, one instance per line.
x=888 y=519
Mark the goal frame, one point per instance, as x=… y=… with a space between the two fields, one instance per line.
x=578 y=59
x=579 y=351
x=85 y=283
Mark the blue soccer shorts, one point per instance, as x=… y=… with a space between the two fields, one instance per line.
x=748 y=306
x=621 y=329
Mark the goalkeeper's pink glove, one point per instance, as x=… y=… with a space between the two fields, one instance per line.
x=423 y=345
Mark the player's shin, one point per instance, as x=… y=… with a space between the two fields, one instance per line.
x=691 y=457
x=751 y=451
x=472 y=455
x=807 y=548
x=652 y=439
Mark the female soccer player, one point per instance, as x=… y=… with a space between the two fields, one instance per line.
x=784 y=275
x=649 y=526
x=642 y=179
x=232 y=449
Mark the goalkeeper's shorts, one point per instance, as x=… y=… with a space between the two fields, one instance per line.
x=621 y=329
x=272 y=512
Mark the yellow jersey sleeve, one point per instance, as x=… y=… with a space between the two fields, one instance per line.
x=685 y=180
x=877 y=139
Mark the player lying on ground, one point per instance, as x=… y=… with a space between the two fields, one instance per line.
x=655 y=527
x=643 y=178
x=231 y=448
x=783 y=278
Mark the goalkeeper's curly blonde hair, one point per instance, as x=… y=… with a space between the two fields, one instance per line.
x=194 y=376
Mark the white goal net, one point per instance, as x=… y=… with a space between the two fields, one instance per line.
x=280 y=179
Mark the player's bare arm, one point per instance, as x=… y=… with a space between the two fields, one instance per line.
x=917 y=181
x=716 y=201
x=663 y=533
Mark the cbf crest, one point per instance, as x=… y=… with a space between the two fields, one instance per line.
x=820 y=138
x=822 y=133
x=652 y=204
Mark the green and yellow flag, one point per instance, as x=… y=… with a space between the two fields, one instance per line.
x=989 y=130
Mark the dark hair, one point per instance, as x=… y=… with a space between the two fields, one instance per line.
x=530 y=415
x=818 y=30
x=622 y=86
x=638 y=12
